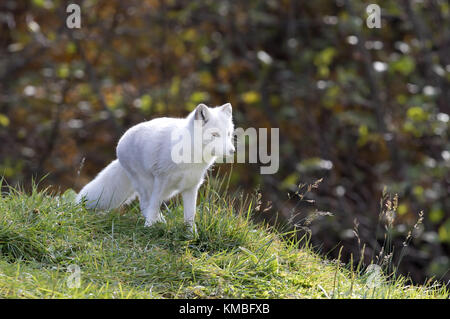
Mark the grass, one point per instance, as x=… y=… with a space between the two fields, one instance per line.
x=43 y=235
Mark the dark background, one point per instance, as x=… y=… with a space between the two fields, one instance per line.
x=361 y=108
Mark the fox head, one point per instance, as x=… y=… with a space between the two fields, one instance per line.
x=217 y=129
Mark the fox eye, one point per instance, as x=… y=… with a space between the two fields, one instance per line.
x=215 y=134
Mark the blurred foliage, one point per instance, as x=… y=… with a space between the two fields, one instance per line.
x=362 y=108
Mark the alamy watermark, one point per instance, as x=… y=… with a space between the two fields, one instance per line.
x=73 y=20
x=74 y=279
x=199 y=145
x=202 y=145
x=373 y=16
x=374 y=275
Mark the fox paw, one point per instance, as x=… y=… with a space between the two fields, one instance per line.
x=151 y=221
x=191 y=228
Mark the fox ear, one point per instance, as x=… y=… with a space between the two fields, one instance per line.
x=202 y=113
x=227 y=108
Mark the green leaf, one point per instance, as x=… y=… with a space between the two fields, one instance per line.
x=71 y=48
x=39 y=3
x=436 y=214
x=405 y=65
x=63 y=71
x=444 y=232
x=417 y=114
x=325 y=57
x=290 y=181
x=69 y=195
x=146 y=102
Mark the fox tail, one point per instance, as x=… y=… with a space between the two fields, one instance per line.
x=109 y=189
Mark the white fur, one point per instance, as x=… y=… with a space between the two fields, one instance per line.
x=145 y=166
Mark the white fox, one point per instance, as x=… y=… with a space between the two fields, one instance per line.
x=146 y=165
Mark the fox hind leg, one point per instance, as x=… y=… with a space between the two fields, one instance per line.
x=152 y=210
x=143 y=186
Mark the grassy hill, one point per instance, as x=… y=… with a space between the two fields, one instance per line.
x=46 y=238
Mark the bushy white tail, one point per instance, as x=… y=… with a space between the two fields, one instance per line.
x=109 y=189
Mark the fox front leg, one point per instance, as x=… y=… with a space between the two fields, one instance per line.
x=189 y=202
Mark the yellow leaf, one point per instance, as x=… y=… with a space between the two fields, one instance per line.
x=251 y=97
x=402 y=209
x=199 y=97
x=4 y=120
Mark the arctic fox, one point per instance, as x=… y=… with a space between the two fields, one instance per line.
x=148 y=163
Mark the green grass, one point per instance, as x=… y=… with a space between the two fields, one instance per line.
x=42 y=234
